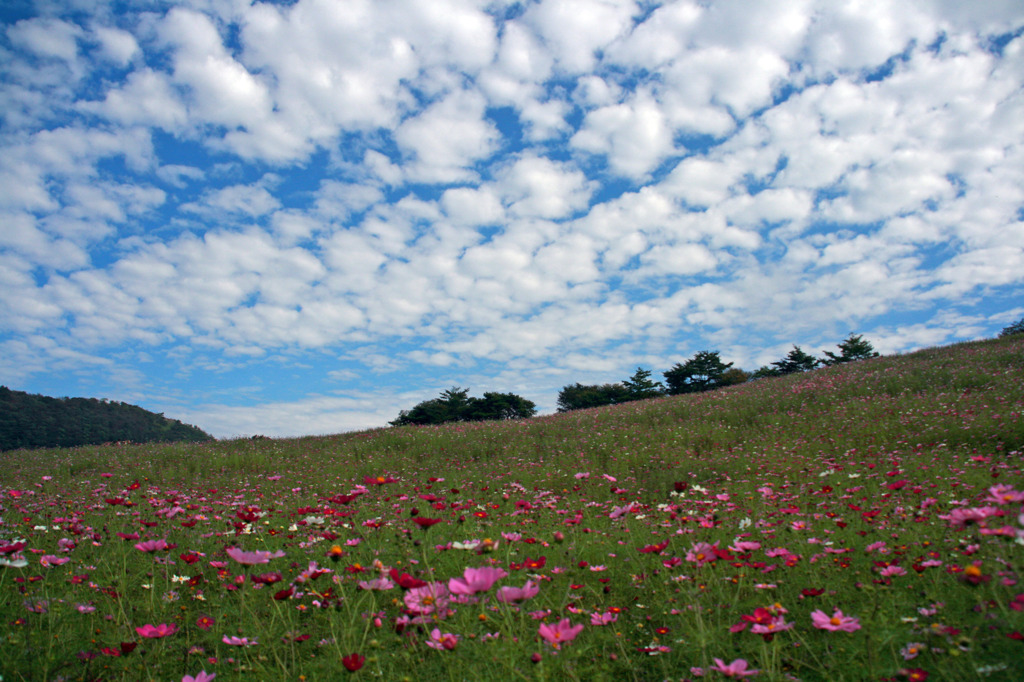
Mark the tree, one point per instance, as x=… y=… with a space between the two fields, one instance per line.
x=36 y=421
x=735 y=375
x=796 y=361
x=579 y=397
x=1015 y=328
x=499 y=406
x=640 y=387
x=455 y=404
x=855 y=347
x=702 y=372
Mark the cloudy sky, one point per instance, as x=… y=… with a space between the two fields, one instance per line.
x=301 y=217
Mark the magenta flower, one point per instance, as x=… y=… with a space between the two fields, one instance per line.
x=603 y=618
x=837 y=622
x=475 y=580
x=737 y=668
x=430 y=598
x=49 y=560
x=239 y=641
x=201 y=677
x=439 y=640
x=702 y=553
x=559 y=633
x=251 y=558
x=157 y=631
x=379 y=584
x=508 y=594
x=154 y=546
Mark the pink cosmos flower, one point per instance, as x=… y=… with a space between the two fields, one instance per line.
x=1004 y=494
x=838 y=622
x=157 y=631
x=475 y=580
x=445 y=640
x=603 y=618
x=508 y=594
x=767 y=630
x=431 y=598
x=379 y=584
x=153 y=545
x=239 y=641
x=559 y=633
x=201 y=677
x=737 y=668
x=890 y=571
x=49 y=560
x=702 y=553
x=252 y=558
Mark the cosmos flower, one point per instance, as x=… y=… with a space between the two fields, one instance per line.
x=442 y=640
x=429 y=599
x=475 y=580
x=202 y=676
x=252 y=558
x=559 y=633
x=353 y=662
x=157 y=631
x=508 y=594
x=737 y=668
x=837 y=622
x=239 y=641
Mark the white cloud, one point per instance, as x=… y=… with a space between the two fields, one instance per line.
x=432 y=191
x=573 y=31
x=634 y=136
x=146 y=98
x=46 y=37
x=446 y=139
x=118 y=46
x=248 y=200
x=536 y=187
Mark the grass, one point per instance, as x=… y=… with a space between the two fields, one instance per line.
x=838 y=479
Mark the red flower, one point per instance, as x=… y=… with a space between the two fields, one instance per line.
x=406 y=581
x=205 y=623
x=657 y=549
x=916 y=674
x=425 y=523
x=353 y=662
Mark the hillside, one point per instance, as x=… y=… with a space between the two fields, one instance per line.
x=850 y=523
x=37 y=421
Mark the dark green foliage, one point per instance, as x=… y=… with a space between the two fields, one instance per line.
x=640 y=387
x=37 y=421
x=456 y=405
x=703 y=372
x=855 y=347
x=796 y=361
x=497 y=406
x=1015 y=328
x=579 y=397
x=734 y=376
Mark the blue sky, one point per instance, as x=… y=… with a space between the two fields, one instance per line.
x=300 y=218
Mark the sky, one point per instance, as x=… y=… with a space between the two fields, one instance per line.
x=300 y=218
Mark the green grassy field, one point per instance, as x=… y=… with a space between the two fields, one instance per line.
x=853 y=523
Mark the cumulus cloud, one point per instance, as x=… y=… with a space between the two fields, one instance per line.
x=412 y=194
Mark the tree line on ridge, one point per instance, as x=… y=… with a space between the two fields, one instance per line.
x=705 y=371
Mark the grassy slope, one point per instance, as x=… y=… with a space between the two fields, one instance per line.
x=962 y=398
x=947 y=421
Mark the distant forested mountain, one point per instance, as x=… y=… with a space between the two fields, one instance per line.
x=37 y=421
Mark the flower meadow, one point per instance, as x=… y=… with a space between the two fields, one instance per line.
x=861 y=522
